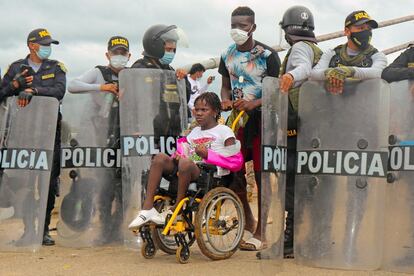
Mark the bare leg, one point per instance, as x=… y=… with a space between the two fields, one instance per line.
x=161 y=164
x=187 y=171
x=239 y=187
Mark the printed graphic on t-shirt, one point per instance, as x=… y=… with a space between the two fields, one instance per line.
x=205 y=141
x=246 y=70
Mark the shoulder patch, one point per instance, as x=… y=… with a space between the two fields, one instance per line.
x=62 y=67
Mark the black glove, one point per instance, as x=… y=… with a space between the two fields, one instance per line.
x=25 y=96
x=21 y=80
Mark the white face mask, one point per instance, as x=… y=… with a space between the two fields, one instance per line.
x=239 y=36
x=118 y=61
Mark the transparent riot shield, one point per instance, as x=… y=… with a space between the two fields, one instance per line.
x=340 y=180
x=399 y=210
x=27 y=143
x=153 y=115
x=272 y=198
x=91 y=190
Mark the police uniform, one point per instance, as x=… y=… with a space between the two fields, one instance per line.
x=49 y=81
x=402 y=68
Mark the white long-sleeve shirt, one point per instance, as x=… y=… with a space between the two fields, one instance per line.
x=299 y=63
x=89 y=81
x=379 y=62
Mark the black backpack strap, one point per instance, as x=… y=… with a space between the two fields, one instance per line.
x=106 y=73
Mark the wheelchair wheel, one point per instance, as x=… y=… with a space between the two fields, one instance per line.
x=219 y=223
x=167 y=244
x=182 y=254
x=148 y=251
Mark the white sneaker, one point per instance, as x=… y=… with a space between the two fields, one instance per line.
x=6 y=213
x=145 y=216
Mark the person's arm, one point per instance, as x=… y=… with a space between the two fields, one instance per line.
x=399 y=70
x=318 y=72
x=273 y=65
x=7 y=88
x=88 y=81
x=379 y=62
x=57 y=90
x=225 y=85
x=301 y=58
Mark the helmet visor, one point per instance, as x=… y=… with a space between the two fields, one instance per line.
x=175 y=34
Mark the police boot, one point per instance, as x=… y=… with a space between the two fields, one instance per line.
x=47 y=239
x=288 y=244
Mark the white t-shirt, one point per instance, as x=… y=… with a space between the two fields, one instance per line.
x=196 y=90
x=212 y=138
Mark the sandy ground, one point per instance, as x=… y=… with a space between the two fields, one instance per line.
x=117 y=260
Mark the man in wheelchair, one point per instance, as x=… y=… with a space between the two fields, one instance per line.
x=208 y=143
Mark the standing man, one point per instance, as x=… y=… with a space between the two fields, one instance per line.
x=104 y=79
x=43 y=77
x=298 y=25
x=357 y=58
x=243 y=66
x=193 y=85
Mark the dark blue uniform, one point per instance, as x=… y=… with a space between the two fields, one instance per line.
x=50 y=81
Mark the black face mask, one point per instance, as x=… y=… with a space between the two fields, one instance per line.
x=362 y=39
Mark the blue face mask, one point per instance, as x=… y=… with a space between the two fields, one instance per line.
x=167 y=58
x=44 y=52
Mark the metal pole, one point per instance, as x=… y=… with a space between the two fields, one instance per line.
x=212 y=63
x=397 y=48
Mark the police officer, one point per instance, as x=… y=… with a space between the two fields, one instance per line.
x=298 y=25
x=104 y=79
x=160 y=47
x=402 y=67
x=357 y=58
x=43 y=77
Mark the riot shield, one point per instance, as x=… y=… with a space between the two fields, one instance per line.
x=91 y=189
x=153 y=115
x=340 y=180
x=399 y=210
x=272 y=199
x=27 y=143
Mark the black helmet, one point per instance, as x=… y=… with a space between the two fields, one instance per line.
x=155 y=37
x=298 y=23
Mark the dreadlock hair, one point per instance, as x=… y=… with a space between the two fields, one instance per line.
x=212 y=100
x=243 y=11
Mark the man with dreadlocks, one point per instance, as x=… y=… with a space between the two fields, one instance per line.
x=243 y=66
x=355 y=59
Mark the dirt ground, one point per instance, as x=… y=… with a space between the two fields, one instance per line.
x=57 y=260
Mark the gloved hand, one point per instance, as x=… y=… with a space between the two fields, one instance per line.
x=285 y=82
x=21 y=80
x=336 y=76
x=24 y=97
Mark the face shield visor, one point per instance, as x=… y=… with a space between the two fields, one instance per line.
x=174 y=34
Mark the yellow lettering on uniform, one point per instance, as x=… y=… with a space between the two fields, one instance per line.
x=361 y=15
x=44 y=33
x=48 y=76
x=410 y=65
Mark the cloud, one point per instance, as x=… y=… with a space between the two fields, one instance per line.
x=83 y=27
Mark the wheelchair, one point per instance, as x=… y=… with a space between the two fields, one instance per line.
x=211 y=214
